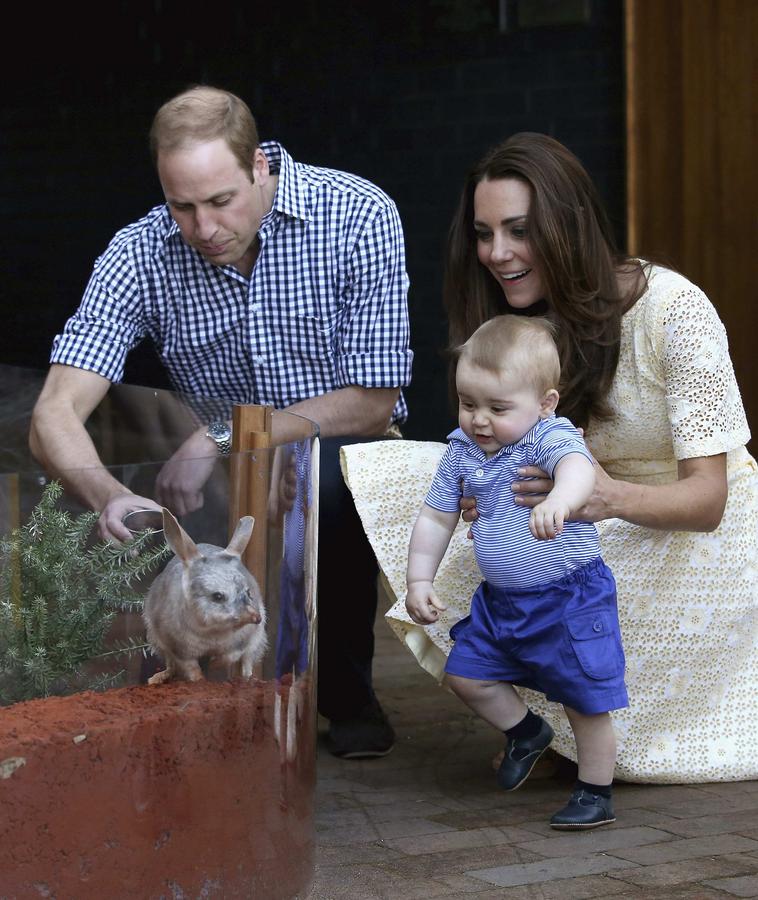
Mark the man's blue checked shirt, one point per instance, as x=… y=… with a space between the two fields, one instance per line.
x=325 y=307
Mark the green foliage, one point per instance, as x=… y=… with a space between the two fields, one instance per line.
x=59 y=594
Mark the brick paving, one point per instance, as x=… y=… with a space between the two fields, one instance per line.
x=427 y=821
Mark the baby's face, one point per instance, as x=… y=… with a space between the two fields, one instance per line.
x=493 y=409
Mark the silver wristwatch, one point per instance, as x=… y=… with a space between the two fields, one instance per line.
x=221 y=434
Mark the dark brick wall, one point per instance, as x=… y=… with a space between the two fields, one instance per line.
x=408 y=99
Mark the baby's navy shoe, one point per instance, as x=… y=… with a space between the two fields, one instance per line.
x=521 y=754
x=584 y=810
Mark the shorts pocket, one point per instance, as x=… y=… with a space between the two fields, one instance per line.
x=455 y=631
x=596 y=642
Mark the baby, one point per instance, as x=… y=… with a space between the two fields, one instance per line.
x=545 y=615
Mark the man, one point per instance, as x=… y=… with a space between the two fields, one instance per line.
x=260 y=280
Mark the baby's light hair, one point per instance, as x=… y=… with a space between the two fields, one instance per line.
x=519 y=346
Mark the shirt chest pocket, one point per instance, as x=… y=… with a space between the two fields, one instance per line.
x=309 y=337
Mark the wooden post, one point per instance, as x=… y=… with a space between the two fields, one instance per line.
x=250 y=479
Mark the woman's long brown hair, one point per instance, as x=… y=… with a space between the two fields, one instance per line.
x=572 y=244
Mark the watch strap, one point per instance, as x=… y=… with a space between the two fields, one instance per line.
x=221 y=435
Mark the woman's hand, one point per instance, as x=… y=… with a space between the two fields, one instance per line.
x=528 y=493
x=532 y=486
x=694 y=502
x=600 y=504
x=598 y=507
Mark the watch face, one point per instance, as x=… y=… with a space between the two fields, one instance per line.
x=219 y=431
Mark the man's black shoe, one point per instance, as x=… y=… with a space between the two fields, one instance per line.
x=368 y=734
x=584 y=810
x=521 y=754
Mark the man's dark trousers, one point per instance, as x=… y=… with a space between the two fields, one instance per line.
x=347 y=593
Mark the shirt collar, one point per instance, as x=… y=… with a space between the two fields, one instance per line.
x=173 y=228
x=290 y=197
x=459 y=434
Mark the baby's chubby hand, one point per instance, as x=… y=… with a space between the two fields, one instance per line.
x=547 y=518
x=422 y=603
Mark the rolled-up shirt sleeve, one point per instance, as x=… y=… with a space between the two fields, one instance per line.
x=108 y=322
x=374 y=341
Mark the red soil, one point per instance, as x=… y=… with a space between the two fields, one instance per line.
x=175 y=791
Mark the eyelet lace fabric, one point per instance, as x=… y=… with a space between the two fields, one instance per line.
x=688 y=601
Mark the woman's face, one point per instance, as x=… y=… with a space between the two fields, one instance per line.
x=501 y=212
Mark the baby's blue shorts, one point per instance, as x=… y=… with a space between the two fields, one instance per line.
x=562 y=639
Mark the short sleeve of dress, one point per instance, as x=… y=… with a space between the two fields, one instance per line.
x=704 y=404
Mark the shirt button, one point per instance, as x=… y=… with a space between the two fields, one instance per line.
x=597 y=626
x=255 y=307
x=479 y=473
x=259 y=359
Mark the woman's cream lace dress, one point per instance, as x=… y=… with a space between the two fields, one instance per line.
x=688 y=601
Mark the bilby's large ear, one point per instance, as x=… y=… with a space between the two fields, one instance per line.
x=178 y=539
x=241 y=537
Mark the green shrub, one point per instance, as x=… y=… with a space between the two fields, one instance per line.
x=59 y=594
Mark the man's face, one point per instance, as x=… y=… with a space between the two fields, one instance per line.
x=215 y=202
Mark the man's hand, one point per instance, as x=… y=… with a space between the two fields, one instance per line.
x=547 y=518
x=110 y=526
x=422 y=603
x=179 y=484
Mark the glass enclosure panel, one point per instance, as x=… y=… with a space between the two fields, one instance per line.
x=116 y=782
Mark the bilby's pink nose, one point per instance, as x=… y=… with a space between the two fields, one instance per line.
x=248 y=609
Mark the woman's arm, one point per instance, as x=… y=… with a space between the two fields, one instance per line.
x=694 y=502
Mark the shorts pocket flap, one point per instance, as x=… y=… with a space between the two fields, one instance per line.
x=591 y=625
x=596 y=643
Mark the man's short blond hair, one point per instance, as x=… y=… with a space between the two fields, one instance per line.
x=201 y=114
x=519 y=346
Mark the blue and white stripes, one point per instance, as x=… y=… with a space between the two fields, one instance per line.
x=506 y=553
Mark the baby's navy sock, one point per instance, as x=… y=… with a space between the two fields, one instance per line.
x=528 y=727
x=604 y=790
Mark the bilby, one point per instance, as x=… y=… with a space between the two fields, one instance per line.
x=205 y=604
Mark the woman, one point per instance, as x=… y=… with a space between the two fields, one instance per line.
x=647 y=375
